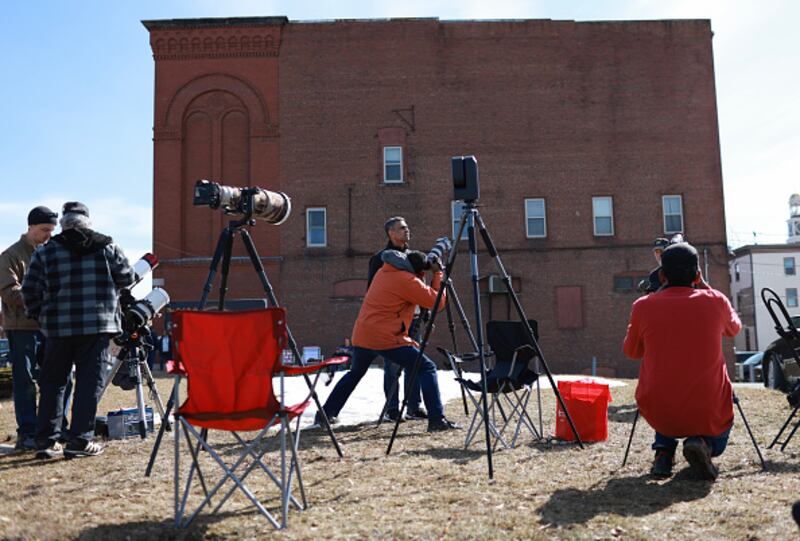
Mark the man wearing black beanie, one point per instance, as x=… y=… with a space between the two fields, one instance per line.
x=25 y=341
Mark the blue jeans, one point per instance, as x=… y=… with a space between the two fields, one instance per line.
x=24 y=348
x=716 y=444
x=87 y=353
x=391 y=377
x=403 y=356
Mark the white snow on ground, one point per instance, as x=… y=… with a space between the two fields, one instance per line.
x=366 y=402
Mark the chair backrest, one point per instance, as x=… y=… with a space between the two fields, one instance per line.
x=229 y=358
x=507 y=339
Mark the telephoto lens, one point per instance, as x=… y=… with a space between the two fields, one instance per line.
x=439 y=250
x=271 y=207
x=144 y=310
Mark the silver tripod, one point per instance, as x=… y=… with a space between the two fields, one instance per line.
x=134 y=355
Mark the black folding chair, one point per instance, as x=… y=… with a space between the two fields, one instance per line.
x=509 y=383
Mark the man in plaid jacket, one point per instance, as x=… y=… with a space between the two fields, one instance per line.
x=71 y=289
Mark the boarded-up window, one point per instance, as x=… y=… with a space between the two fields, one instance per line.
x=569 y=307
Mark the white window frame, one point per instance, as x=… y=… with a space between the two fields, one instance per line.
x=543 y=217
x=456 y=220
x=324 y=210
x=664 y=213
x=595 y=216
x=794 y=296
x=387 y=163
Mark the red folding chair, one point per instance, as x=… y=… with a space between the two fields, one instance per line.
x=229 y=360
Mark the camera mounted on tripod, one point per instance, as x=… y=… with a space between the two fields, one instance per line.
x=253 y=202
x=466 y=185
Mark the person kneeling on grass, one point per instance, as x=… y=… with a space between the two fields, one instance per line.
x=382 y=329
x=683 y=389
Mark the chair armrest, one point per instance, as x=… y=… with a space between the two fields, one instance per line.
x=175 y=368
x=297 y=370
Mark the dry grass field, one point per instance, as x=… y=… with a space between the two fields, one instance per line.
x=428 y=488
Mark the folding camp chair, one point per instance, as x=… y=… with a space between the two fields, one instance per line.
x=509 y=383
x=230 y=359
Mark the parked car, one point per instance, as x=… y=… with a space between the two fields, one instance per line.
x=779 y=367
x=751 y=368
x=4 y=360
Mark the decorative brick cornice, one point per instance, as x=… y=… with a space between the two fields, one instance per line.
x=188 y=44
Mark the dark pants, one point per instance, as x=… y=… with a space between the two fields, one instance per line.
x=391 y=377
x=716 y=444
x=87 y=353
x=403 y=356
x=24 y=349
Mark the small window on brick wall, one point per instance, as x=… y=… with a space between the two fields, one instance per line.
x=393 y=164
x=316 y=227
x=623 y=283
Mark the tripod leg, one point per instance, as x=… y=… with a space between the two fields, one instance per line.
x=473 y=258
x=750 y=432
x=487 y=240
x=630 y=439
x=140 y=398
x=162 y=428
x=785 y=424
x=226 y=269
x=154 y=396
x=452 y=328
x=791 y=434
x=225 y=239
x=273 y=300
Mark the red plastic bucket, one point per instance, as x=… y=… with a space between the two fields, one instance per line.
x=587 y=402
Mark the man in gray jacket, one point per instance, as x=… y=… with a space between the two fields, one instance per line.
x=72 y=288
x=25 y=341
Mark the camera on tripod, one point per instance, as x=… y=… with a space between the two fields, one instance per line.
x=271 y=207
x=137 y=314
x=466 y=186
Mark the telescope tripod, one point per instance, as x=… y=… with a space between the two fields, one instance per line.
x=134 y=355
x=222 y=254
x=469 y=218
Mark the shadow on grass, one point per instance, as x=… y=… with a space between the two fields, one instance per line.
x=163 y=529
x=623 y=496
x=622 y=414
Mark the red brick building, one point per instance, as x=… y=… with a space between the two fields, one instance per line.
x=592 y=139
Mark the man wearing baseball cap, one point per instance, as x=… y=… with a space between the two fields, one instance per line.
x=25 y=341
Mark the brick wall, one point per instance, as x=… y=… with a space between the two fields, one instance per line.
x=552 y=109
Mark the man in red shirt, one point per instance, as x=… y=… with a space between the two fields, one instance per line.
x=684 y=390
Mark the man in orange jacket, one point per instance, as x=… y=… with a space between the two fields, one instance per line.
x=382 y=329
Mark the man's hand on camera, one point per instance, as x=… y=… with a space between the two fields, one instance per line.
x=436 y=263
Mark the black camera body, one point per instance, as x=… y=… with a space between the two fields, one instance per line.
x=466 y=186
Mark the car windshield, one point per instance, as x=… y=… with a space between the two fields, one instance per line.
x=755 y=359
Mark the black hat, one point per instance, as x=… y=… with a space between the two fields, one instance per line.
x=417 y=259
x=660 y=243
x=74 y=207
x=679 y=257
x=42 y=215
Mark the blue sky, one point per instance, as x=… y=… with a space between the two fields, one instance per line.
x=77 y=98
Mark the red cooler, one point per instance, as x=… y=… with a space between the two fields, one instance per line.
x=587 y=402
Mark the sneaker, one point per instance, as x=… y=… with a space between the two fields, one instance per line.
x=417 y=415
x=54 y=451
x=25 y=443
x=319 y=422
x=697 y=454
x=90 y=449
x=441 y=425
x=662 y=465
x=391 y=417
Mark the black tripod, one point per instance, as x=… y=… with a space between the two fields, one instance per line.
x=470 y=216
x=791 y=336
x=223 y=253
x=133 y=356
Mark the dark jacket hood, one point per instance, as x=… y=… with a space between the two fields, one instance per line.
x=82 y=241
